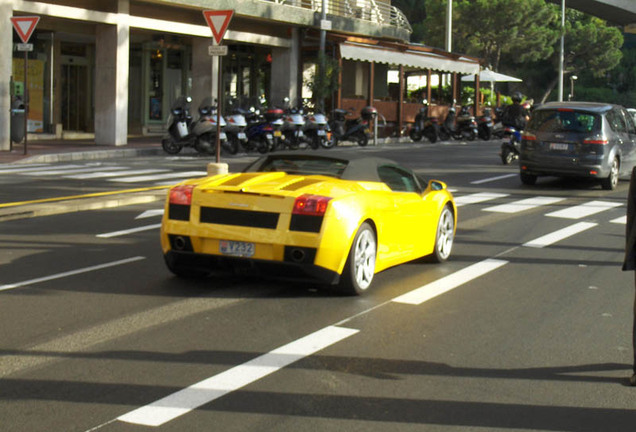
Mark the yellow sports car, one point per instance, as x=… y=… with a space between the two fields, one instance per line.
x=336 y=218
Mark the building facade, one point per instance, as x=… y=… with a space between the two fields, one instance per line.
x=110 y=68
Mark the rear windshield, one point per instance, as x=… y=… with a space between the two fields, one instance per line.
x=564 y=121
x=300 y=165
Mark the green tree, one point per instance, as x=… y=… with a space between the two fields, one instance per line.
x=489 y=29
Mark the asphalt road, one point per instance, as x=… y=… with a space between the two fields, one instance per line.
x=527 y=327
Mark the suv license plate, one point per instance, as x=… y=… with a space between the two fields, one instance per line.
x=236 y=248
x=559 y=146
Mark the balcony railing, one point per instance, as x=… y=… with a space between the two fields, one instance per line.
x=367 y=10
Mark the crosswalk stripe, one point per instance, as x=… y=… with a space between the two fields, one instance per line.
x=35 y=169
x=160 y=176
x=73 y=171
x=584 y=210
x=524 y=204
x=559 y=235
x=8 y=169
x=477 y=198
x=108 y=174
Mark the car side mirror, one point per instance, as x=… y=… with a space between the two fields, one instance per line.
x=436 y=185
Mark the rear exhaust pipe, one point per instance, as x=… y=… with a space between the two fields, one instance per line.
x=179 y=243
x=298 y=255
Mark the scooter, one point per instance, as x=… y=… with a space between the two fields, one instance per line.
x=317 y=132
x=357 y=129
x=183 y=132
x=260 y=133
x=292 y=127
x=511 y=146
x=235 y=130
x=424 y=126
x=462 y=127
x=485 y=125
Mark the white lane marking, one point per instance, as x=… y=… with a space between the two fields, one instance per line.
x=160 y=176
x=477 y=198
x=150 y=213
x=447 y=283
x=73 y=171
x=492 y=179
x=190 y=398
x=584 y=210
x=116 y=174
x=621 y=220
x=129 y=231
x=559 y=235
x=30 y=170
x=524 y=204
x=70 y=273
x=5 y=169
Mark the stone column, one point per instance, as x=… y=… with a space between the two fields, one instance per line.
x=285 y=72
x=203 y=70
x=111 y=79
x=6 y=55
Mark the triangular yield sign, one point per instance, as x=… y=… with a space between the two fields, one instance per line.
x=218 y=20
x=24 y=26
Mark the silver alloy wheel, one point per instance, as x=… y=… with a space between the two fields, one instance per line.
x=445 y=235
x=614 y=173
x=364 y=252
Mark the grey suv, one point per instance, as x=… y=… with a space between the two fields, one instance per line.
x=578 y=139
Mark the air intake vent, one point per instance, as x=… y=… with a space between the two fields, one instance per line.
x=246 y=218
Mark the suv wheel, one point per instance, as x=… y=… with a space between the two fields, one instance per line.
x=611 y=181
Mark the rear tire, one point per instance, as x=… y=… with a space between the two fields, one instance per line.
x=359 y=270
x=414 y=135
x=528 y=179
x=361 y=139
x=611 y=181
x=430 y=134
x=507 y=156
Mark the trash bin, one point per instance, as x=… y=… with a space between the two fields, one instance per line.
x=17 y=121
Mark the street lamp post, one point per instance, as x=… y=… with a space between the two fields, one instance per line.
x=572 y=79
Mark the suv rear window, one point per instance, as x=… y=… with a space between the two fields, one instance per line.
x=564 y=121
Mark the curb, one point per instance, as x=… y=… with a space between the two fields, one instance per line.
x=90 y=155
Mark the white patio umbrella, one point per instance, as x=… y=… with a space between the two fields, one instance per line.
x=492 y=76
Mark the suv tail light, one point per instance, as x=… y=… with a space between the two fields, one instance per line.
x=596 y=140
x=314 y=205
x=181 y=194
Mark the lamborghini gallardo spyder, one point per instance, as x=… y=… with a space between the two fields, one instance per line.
x=337 y=219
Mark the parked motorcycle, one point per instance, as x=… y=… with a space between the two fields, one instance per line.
x=259 y=131
x=317 y=132
x=511 y=146
x=485 y=125
x=357 y=129
x=235 y=129
x=292 y=127
x=463 y=126
x=424 y=126
x=182 y=131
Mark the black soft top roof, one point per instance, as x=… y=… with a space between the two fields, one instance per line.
x=359 y=166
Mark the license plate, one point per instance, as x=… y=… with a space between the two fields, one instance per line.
x=559 y=146
x=321 y=132
x=242 y=136
x=223 y=136
x=278 y=133
x=236 y=248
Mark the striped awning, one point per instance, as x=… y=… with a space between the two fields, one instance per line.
x=413 y=59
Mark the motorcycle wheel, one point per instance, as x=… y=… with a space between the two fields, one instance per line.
x=170 y=147
x=326 y=142
x=231 y=145
x=430 y=134
x=205 y=144
x=443 y=135
x=262 y=146
x=507 y=156
x=415 y=135
x=361 y=139
x=485 y=133
x=471 y=135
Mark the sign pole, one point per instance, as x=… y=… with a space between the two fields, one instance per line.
x=26 y=100
x=218 y=109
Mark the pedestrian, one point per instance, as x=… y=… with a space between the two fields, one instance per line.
x=630 y=256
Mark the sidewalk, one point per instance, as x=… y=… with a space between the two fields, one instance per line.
x=44 y=151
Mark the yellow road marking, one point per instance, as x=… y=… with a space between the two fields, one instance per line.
x=73 y=197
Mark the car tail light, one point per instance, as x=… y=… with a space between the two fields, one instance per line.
x=181 y=195
x=596 y=140
x=529 y=137
x=314 y=205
